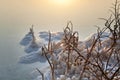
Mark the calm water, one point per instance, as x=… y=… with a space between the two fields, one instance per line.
x=10 y=52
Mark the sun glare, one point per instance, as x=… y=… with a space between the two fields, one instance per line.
x=62 y=2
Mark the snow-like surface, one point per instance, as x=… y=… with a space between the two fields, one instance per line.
x=33 y=57
x=35 y=54
x=55 y=36
x=34 y=48
x=26 y=40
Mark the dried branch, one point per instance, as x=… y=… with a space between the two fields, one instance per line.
x=40 y=73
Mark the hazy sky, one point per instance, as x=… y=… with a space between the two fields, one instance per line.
x=52 y=15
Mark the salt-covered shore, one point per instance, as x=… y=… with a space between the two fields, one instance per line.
x=33 y=47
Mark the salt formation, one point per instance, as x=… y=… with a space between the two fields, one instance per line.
x=71 y=59
x=33 y=44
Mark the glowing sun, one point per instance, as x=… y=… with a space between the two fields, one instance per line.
x=62 y=2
